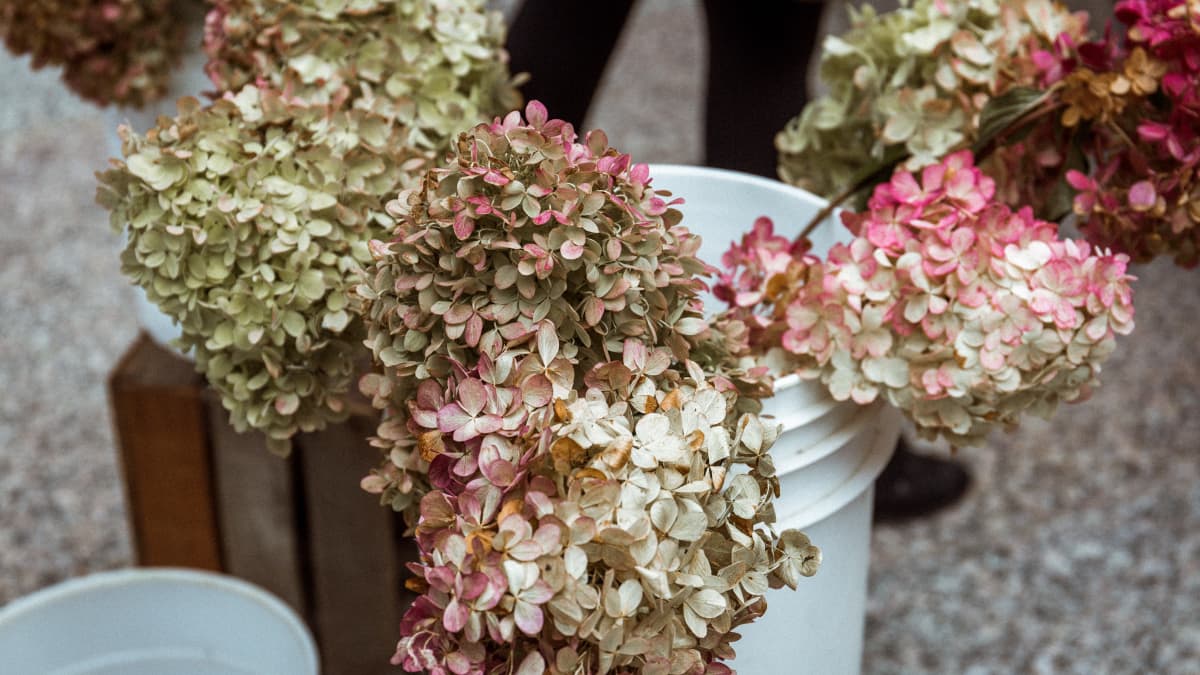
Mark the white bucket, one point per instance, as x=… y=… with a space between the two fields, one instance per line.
x=818 y=628
x=154 y=622
x=827 y=457
x=721 y=206
x=188 y=79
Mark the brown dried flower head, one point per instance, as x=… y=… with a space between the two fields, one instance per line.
x=111 y=51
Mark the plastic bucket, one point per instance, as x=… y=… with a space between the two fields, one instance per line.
x=793 y=393
x=721 y=206
x=818 y=628
x=154 y=622
x=827 y=456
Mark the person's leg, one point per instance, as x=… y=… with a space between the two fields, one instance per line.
x=757 y=71
x=564 y=45
x=914 y=485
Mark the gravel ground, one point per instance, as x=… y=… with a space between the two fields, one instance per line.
x=1077 y=550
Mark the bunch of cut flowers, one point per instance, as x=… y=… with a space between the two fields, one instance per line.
x=1104 y=129
x=247 y=220
x=575 y=446
x=951 y=306
x=1135 y=99
x=959 y=300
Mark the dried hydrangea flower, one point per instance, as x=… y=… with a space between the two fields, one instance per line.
x=586 y=497
x=757 y=279
x=248 y=222
x=111 y=51
x=915 y=81
x=526 y=260
x=635 y=538
x=957 y=310
x=434 y=67
x=1138 y=101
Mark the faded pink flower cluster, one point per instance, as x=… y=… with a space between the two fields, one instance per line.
x=956 y=309
x=627 y=542
x=564 y=429
x=758 y=276
x=1143 y=194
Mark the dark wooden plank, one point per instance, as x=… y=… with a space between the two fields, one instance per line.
x=356 y=569
x=256 y=509
x=159 y=417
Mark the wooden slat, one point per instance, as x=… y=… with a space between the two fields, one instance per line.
x=356 y=570
x=159 y=417
x=256 y=509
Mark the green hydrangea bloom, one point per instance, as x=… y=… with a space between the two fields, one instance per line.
x=915 y=80
x=247 y=222
x=436 y=67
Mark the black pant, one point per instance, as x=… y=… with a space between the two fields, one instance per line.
x=758 y=58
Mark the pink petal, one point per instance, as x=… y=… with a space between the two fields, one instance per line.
x=549 y=536
x=472 y=396
x=539 y=593
x=466 y=466
x=526 y=551
x=454 y=618
x=528 y=618
x=452 y=417
x=474 y=330
x=571 y=251
x=593 y=311
x=536 y=113
x=639 y=174
x=473 y=585
x=1080 y=181
x=429 y=395
x=905 y=188
x=1142 y=196
x=500 y=473
x=464 y=225
x=537 y=391
x=489 y=424
x=458 y=313
x=466 y=432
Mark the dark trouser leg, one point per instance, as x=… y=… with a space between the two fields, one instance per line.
x=914 y=485
x=564 y=45
x=758 y=61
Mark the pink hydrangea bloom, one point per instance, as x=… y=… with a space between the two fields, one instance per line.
x=1143 y=194
x=956 y=309
x=561 y=419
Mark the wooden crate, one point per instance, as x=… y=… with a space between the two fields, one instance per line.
x=201 y=495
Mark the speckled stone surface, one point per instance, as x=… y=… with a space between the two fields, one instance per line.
x=65 y=317
x=1077 y=550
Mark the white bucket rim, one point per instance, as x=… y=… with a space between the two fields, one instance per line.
x=829 y=444
x=790 y=381
x=809 y=414
x=737 y=177
x=70 y=589
x=884 y=444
